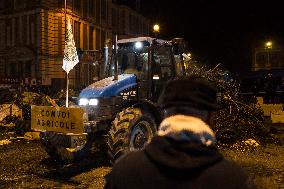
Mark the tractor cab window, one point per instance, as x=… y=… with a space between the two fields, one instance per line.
x=132 y=62
x=129 y=63
x=162 y=63
x=180 y=65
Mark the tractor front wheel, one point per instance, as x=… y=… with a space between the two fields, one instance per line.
x=58 y=147
x=131 y=130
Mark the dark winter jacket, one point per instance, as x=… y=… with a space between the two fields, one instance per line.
x=167 y=163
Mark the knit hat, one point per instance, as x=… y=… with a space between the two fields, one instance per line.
x=193 y=92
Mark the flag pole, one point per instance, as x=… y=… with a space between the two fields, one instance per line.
x=67 y=90
x=67 y=82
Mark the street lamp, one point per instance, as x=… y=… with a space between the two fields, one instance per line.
x=156 y=29
x=268 y=44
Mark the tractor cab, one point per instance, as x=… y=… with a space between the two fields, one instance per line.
x=150 y=60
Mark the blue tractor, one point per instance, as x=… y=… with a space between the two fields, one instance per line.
x=122 y=106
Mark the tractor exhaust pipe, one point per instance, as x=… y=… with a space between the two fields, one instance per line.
x=115 y=59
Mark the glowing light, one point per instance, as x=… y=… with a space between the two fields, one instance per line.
x=268 y=44
x=156 y=28
x=156 y=77
x=83 y=102
x=93 y=102
x=138 y=45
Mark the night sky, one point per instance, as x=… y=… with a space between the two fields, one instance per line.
x=219 y=31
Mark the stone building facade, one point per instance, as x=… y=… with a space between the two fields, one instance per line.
x=32 y=34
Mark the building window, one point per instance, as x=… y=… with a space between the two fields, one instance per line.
x=28 y=66
x=8 y=32
x=104 y=9
x=61 y=4
x=24 y=29
x=103 y=38
x=261 y=59
x=19 y=4
x=131 y=24
x=137 y=25
x=14 y=70
x=2 y=67
x=78 y=82
x=9 y=4
x=78 y=6
x=2 y=36
x=92 y=8
x=85 y=8
x=9 y=69
x=60 y=35
x=123 y=21
x=77 y=33
x=17 y=31
x=113 y=16
x=32 y=29
x=85 y=37
x=98 y=11
x=114 y=20
x=2 y=3
x=91 y=38
x=98 y=38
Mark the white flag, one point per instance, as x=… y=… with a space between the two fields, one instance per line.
x=70 y=54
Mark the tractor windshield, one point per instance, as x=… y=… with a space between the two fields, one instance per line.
x=131 y=59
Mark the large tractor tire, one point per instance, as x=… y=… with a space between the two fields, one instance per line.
x=131 y=130
x=58 y=147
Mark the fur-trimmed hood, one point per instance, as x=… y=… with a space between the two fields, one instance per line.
x=183 y=144
x=187 y=128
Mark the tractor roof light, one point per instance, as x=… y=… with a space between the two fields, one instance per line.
x=138 y=45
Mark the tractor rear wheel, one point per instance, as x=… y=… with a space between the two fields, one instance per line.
x=131 y=130
x=58 y=147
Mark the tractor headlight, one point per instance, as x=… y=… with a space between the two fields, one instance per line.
x=93 y=102
x=83 y=102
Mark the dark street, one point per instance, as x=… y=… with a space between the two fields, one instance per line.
x=25 y=164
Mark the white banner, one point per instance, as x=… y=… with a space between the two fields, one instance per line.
x=70 y=54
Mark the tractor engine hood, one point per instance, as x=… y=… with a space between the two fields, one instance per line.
x=109 y=87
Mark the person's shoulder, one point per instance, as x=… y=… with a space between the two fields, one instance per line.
x=235 y=175
x=130 y=160
x=126 y=167
x=231 y=166
x=231 y=170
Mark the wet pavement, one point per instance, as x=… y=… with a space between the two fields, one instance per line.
x=25 y=164
x=264 y=164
